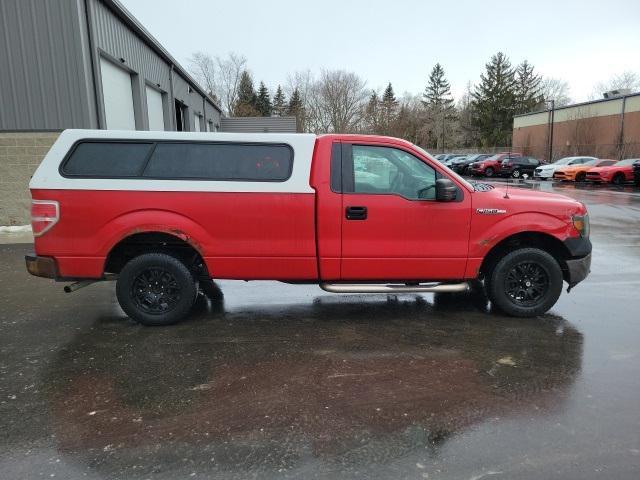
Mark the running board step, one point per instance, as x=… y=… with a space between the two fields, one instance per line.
x=395 y=288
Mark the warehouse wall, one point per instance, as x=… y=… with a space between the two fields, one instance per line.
x=44 y=66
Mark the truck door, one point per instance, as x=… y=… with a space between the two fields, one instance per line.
x=392 y=226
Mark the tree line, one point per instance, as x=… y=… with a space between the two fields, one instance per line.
x=338 y=101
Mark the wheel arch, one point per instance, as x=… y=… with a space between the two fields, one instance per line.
x=169 y=242
x=529 y=239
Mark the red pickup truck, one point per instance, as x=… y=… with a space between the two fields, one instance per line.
x=164 y=213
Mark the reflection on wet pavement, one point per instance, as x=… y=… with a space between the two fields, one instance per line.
x=280 y=381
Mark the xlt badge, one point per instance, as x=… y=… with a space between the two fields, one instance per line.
x=490 y=211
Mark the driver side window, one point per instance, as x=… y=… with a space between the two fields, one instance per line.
x=386 y=170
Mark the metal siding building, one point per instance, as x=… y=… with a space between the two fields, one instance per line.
x=82 y=64
x=258 y=124
x=53 y=56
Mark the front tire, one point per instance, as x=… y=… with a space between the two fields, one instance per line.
x=581 y=177
x=489 y=172
x=156 y=289
x=618 y=179
x=516 y=173
x=525 y=283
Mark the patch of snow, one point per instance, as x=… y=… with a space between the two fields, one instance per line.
x=15 y=229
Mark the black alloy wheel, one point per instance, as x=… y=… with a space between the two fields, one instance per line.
x=156 y=291
x=526 y=283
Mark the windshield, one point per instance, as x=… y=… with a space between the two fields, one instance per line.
x=628 y=161
x=494 y=157
x=450 y=172
x=563 y=161
x=590 y=162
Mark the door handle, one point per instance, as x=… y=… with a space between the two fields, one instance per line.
x=356 y=213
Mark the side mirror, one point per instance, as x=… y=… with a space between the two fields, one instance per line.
x=446 y=190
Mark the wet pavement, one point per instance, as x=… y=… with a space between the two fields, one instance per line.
x=281 y=381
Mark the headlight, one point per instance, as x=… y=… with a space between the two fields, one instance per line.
x=581 y=224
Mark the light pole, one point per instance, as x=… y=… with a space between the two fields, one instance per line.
x=550 y=133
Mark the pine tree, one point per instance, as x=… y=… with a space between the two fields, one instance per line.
x=438 y=102
x=279 y=102
x=388 y=110
x=246 y=104
x=372 y=114
x=528 y=88
x=263 y=102
x=296 y=108
x=494 y=102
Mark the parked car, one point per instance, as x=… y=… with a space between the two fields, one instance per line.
x=545 y=172
x=461 y=165
x=163 y=213
x=517 y=166
x=636 y=172
x=578 y=172
x=454 y=158
x=618 y=173
x=448 y=156
x=490 y=166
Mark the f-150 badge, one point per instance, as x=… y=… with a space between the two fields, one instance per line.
x=490 y=211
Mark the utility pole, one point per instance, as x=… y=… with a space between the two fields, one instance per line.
x=551 y=120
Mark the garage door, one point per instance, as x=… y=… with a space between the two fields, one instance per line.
x=118 y=97
x=155 y=110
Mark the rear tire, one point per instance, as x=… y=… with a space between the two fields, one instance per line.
x=489 y=172
x=525 y=283
x=156 y=289
x=515 y=173
x=581 y=177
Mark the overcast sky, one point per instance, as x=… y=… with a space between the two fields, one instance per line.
x=582 y=42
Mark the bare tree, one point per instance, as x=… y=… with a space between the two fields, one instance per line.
x=203 y=67
x=333 y=102
x=626 y=79
x=341 y=96
x=219 y=76
x=230 y=70
x=555 y=89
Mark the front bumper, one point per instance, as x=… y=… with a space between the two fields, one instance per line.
x=578 y=270
x=543 y=174
x=41 y=266
x=579 y=266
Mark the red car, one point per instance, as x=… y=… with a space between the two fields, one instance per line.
x=490 y=166
x=165 y=213
x=619 y=173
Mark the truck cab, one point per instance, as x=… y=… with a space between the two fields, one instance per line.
x=166 y=213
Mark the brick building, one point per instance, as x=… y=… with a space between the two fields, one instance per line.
x=607 y=128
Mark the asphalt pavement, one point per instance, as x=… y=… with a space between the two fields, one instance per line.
x=282 y=381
